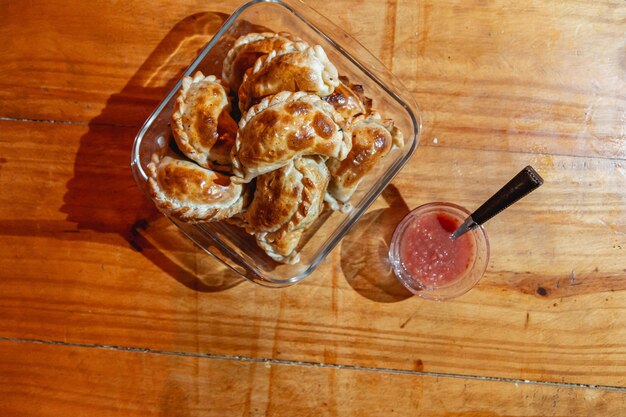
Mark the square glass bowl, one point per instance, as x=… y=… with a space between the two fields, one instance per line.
x=232 y=245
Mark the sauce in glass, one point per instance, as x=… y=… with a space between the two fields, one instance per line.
x=429 y=254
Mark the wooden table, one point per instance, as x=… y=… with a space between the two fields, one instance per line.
x=105 y=309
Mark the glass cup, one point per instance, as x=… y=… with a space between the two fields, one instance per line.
x=406 y=241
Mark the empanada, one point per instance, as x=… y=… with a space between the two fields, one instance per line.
x=295 y=67
x=283 y=127
x=201 y=124
x=348 y=99
x=276 y=200
x=247 y=49
x=190 y=193
x=372 y=139
x=281 y=246
x=286 y=202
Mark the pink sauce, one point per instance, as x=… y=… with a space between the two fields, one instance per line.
x=428 y=252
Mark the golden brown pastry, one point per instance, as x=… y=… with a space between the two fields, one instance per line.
x=281 y=246
x=276 y=199
x=247 y=49
x=188 y=192
x=286 y=202
x=305 y=136
x=294 y=67
x=348 y=99
x=201 y=124
x=283 y=127
x=372 y=139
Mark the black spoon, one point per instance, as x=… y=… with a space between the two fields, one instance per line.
x=522 y=184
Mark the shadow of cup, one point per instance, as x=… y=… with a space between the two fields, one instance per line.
x=365 y=252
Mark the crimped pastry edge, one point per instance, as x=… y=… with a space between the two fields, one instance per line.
x=285 y=97
x=397 y=140
x=330 y=75
x=187 y=213
x=291 y=259
x=245 y=40
x=176 y=119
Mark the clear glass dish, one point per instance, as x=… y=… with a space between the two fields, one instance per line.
x=232 y=245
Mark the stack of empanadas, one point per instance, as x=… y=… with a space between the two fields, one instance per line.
x=305 y=139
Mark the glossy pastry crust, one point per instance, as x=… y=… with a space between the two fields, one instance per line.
x=201 y=124
x=281 y=246
x=190 y=193
x=349 y=100
x=295 y=67
x=286 y=126
x=372 y=139
x=247 y=49
x=286 y=202
x=305 y=136
x=276 y=200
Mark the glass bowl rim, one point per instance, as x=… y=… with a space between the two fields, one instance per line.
x=480 y=237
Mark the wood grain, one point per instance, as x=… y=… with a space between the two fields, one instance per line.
x=44 y=380
x=102 y=62
x=533 y=77
x=89 y=260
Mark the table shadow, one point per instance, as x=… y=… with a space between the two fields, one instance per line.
x=364 y=251
x=102 y=198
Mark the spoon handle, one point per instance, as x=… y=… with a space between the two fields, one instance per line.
x=523 y=183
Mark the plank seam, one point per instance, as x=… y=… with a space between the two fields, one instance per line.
x=64 y=122
x=313 y=364
x=422 y=144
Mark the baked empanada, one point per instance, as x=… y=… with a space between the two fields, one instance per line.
x=281 y=246
x=201 y=124
x=285 y=203
x=372 y=139
x=295 y=67
x=190 y=193
x=348 y=99
x=283 y=127
x=247 y=49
